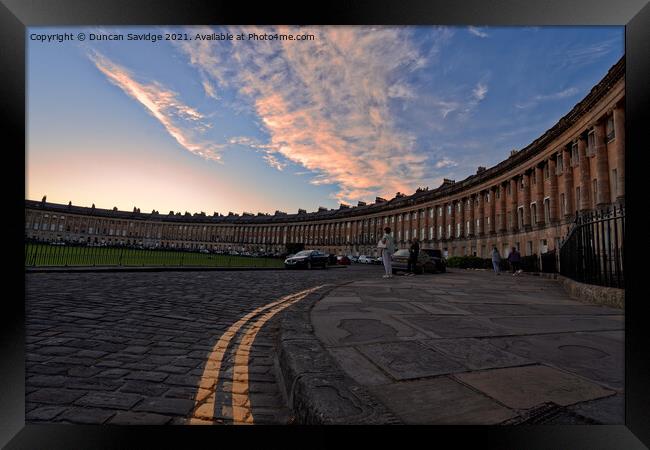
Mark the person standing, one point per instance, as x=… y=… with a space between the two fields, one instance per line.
x=414 y=251
x=496 y=260
x=387 y=246
x=515 y=261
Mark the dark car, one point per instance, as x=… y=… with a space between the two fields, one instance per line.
x=343 y=260
x=429 y=260
x=331 y=260
x=307 y=259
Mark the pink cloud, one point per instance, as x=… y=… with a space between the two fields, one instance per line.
x=326 y=104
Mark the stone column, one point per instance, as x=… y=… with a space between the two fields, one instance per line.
x=514 y=188
x=568 y=183
x=602 y=165
x=502 y=209
x=619 y=143
x=460 y=218
x=539 y=195
x=526 y=200
x=553 y=199
x=472 y=226
x=585 y=178
x=481 y=214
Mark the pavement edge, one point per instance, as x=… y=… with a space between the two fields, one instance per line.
x=317 y=390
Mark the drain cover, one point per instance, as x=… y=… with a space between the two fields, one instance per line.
x=550 y=413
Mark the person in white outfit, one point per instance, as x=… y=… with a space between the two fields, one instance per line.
x=387 y=246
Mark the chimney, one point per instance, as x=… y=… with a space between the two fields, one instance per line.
x=321 y=209
x=480 y=169
x=380 y=200
x=361 y=203
x=343 y=206
x=302 y=211
x=513 y=152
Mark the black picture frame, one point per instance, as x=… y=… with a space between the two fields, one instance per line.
x=16 y=15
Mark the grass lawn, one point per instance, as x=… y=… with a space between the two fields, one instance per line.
x=39 y=255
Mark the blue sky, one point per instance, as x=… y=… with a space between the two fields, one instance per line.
x=355 y=113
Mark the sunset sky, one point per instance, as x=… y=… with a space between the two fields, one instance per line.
x=356 y=113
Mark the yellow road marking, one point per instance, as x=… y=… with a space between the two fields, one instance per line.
x=241 y=407
x=204 y=403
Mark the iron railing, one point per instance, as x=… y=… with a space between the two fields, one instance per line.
x=549 y=262
x=593 y=249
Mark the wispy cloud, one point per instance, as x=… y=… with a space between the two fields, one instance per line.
x=477 y=32
x=569 y=92
x=480 y=91
x=181 y=121
x=445 y=162
x=325 y=104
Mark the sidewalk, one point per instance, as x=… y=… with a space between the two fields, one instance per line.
x=465 y=347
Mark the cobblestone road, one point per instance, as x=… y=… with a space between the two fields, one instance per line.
x=131 y=348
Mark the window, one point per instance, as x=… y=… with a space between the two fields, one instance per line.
x=575 y=156
x=487 y=197
x=448 y=209
x=439 y=212
x=498 y=193
x=478 y=224
x=430 y=232
x=613 y=181
x=458 y=229
x=399 y=218
x=534 y=177
x=406 y=235
x=562 y=204
x=415 y=216
x=546 y=171
x=431 y=213
x=488 y=220
x=529 y=248
x=467 y=228
x=533 y=213
x=577 y=205
x=458 y=206
x=448 y=230
x=520 y=217
x=439 y=231
x=591 y=142
x=508 y=189
x=422 y=233
x=609 y=128
x=559 y=169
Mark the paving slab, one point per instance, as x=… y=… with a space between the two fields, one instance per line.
x=454 y=326
x=360 y=327
x=597 y=356
x=358 y=367
x=554 y=324
x=408 y=360
x=528 y=386
x=441 y=401
x=477 y=354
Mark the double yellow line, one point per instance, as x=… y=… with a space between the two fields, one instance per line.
x=203 y=411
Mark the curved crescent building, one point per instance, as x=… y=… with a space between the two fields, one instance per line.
x=528 y=201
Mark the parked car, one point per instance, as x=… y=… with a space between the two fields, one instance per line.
x=343 y=260
x=353 y=258
x=378 y=260
x=331 y=260
x=307 y=259
x=363 y=259
x=429 y=260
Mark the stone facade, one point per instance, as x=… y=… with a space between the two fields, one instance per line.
x=528 y=201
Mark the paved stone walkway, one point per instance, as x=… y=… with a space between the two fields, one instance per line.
x=130 y=348
x=470 y=347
